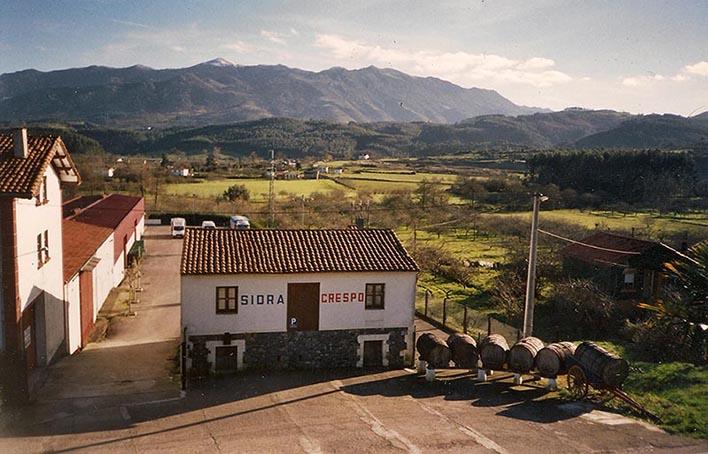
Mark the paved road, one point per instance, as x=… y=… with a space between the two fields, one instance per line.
x=299 y=411
x=132 y=364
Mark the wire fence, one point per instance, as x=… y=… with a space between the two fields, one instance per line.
x=453 y=314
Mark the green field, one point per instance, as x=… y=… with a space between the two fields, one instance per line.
x=696 y=223
x=675 y=392
x=403 y=177
x=258 y=188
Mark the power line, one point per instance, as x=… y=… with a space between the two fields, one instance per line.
x=592 y=246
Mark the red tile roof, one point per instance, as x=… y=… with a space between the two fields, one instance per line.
x=22 y=177
x=225 y=251
x=80 y=242
x=615 y=249
x=108 y=211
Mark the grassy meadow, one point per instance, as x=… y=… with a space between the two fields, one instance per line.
x=257 y=187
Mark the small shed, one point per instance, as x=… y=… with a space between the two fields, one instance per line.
x=625 y=267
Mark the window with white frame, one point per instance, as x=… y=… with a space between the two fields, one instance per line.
x=226 y=300
x=374 y=296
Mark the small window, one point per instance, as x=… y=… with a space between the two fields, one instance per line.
x=45 y=198
x=629 y=277
x=374 y=296
x=226 y=300
x=46 y=246
x=40 y=254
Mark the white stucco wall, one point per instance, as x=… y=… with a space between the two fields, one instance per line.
x=199 y=305
x=72 y=295
x=32 y=220
x=103 y=280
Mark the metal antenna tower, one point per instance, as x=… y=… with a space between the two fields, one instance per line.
x=271 y=184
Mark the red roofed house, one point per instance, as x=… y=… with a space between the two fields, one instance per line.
x=54 y=274
x=627 y=268
x=97 y=239
x=296 y=298
x=32 y=321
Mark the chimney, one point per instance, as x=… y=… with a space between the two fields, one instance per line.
x=19 y=140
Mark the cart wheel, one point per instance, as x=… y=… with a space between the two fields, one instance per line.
x=577 y=382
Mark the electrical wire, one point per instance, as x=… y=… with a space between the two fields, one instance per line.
x=592 y=246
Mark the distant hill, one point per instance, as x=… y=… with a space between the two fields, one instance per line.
x=221 y=92
x=652 y=131
x=571 y=129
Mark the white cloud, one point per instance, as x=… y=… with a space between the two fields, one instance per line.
x=178 y=48
x=640 y=81
x=274 y=37
x=293 y=31
x=460 y=67
x=699 y=69
x=237 y=46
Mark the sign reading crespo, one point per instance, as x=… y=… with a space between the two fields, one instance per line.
x=342 y=297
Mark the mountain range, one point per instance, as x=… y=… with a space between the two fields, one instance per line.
x=219 y=91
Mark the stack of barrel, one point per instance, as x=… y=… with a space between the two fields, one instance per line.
x=463 y=349
x=609 y=368
x=493 y=351
x=433 y=350
x=523 y=354
x=554 y=359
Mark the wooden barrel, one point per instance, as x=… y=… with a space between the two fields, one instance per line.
x=493 y=350
x=552 y=360
x=433 y=350
x=609 y=368
x=463 y=350
x=523 y=354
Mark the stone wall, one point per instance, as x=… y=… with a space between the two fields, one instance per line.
x=299 y=349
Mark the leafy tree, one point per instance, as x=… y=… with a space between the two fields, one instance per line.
x=679 y=323
x=236 y=192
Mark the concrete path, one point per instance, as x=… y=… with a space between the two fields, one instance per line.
x=133 y=363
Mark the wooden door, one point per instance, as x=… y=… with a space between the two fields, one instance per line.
x=373 y=353
x=29 y=334
x=86 y=298
x=304 y=307
x=225 y=359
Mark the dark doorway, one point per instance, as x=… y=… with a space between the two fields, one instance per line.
x=29 y=333
x=86 y=305
x=373 y=353
x=225 y=359
x=304 y=307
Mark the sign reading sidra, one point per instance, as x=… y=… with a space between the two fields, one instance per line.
x=261 y=299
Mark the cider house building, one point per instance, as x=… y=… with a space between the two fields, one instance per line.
x=296 y=298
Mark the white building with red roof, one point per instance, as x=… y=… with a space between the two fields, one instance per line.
x=58 y=262
x=296 y=299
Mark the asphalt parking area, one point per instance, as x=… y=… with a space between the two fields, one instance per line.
x=355 y=411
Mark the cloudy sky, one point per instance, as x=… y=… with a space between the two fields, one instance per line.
x=638 y=56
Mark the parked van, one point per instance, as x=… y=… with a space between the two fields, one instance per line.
x=239 y=222
x=177 y=226
x=208 y=225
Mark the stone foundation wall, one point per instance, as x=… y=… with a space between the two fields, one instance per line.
x=301 y=349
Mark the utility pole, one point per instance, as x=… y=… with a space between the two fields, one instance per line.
x=531 y=278
x=302 y=213
x=270 y=189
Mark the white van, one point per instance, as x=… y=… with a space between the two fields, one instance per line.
x=177 y=226
x=239 y=222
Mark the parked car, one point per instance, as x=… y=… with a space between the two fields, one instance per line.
x=208 y=225
x=177 y=226
x=239 y=222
